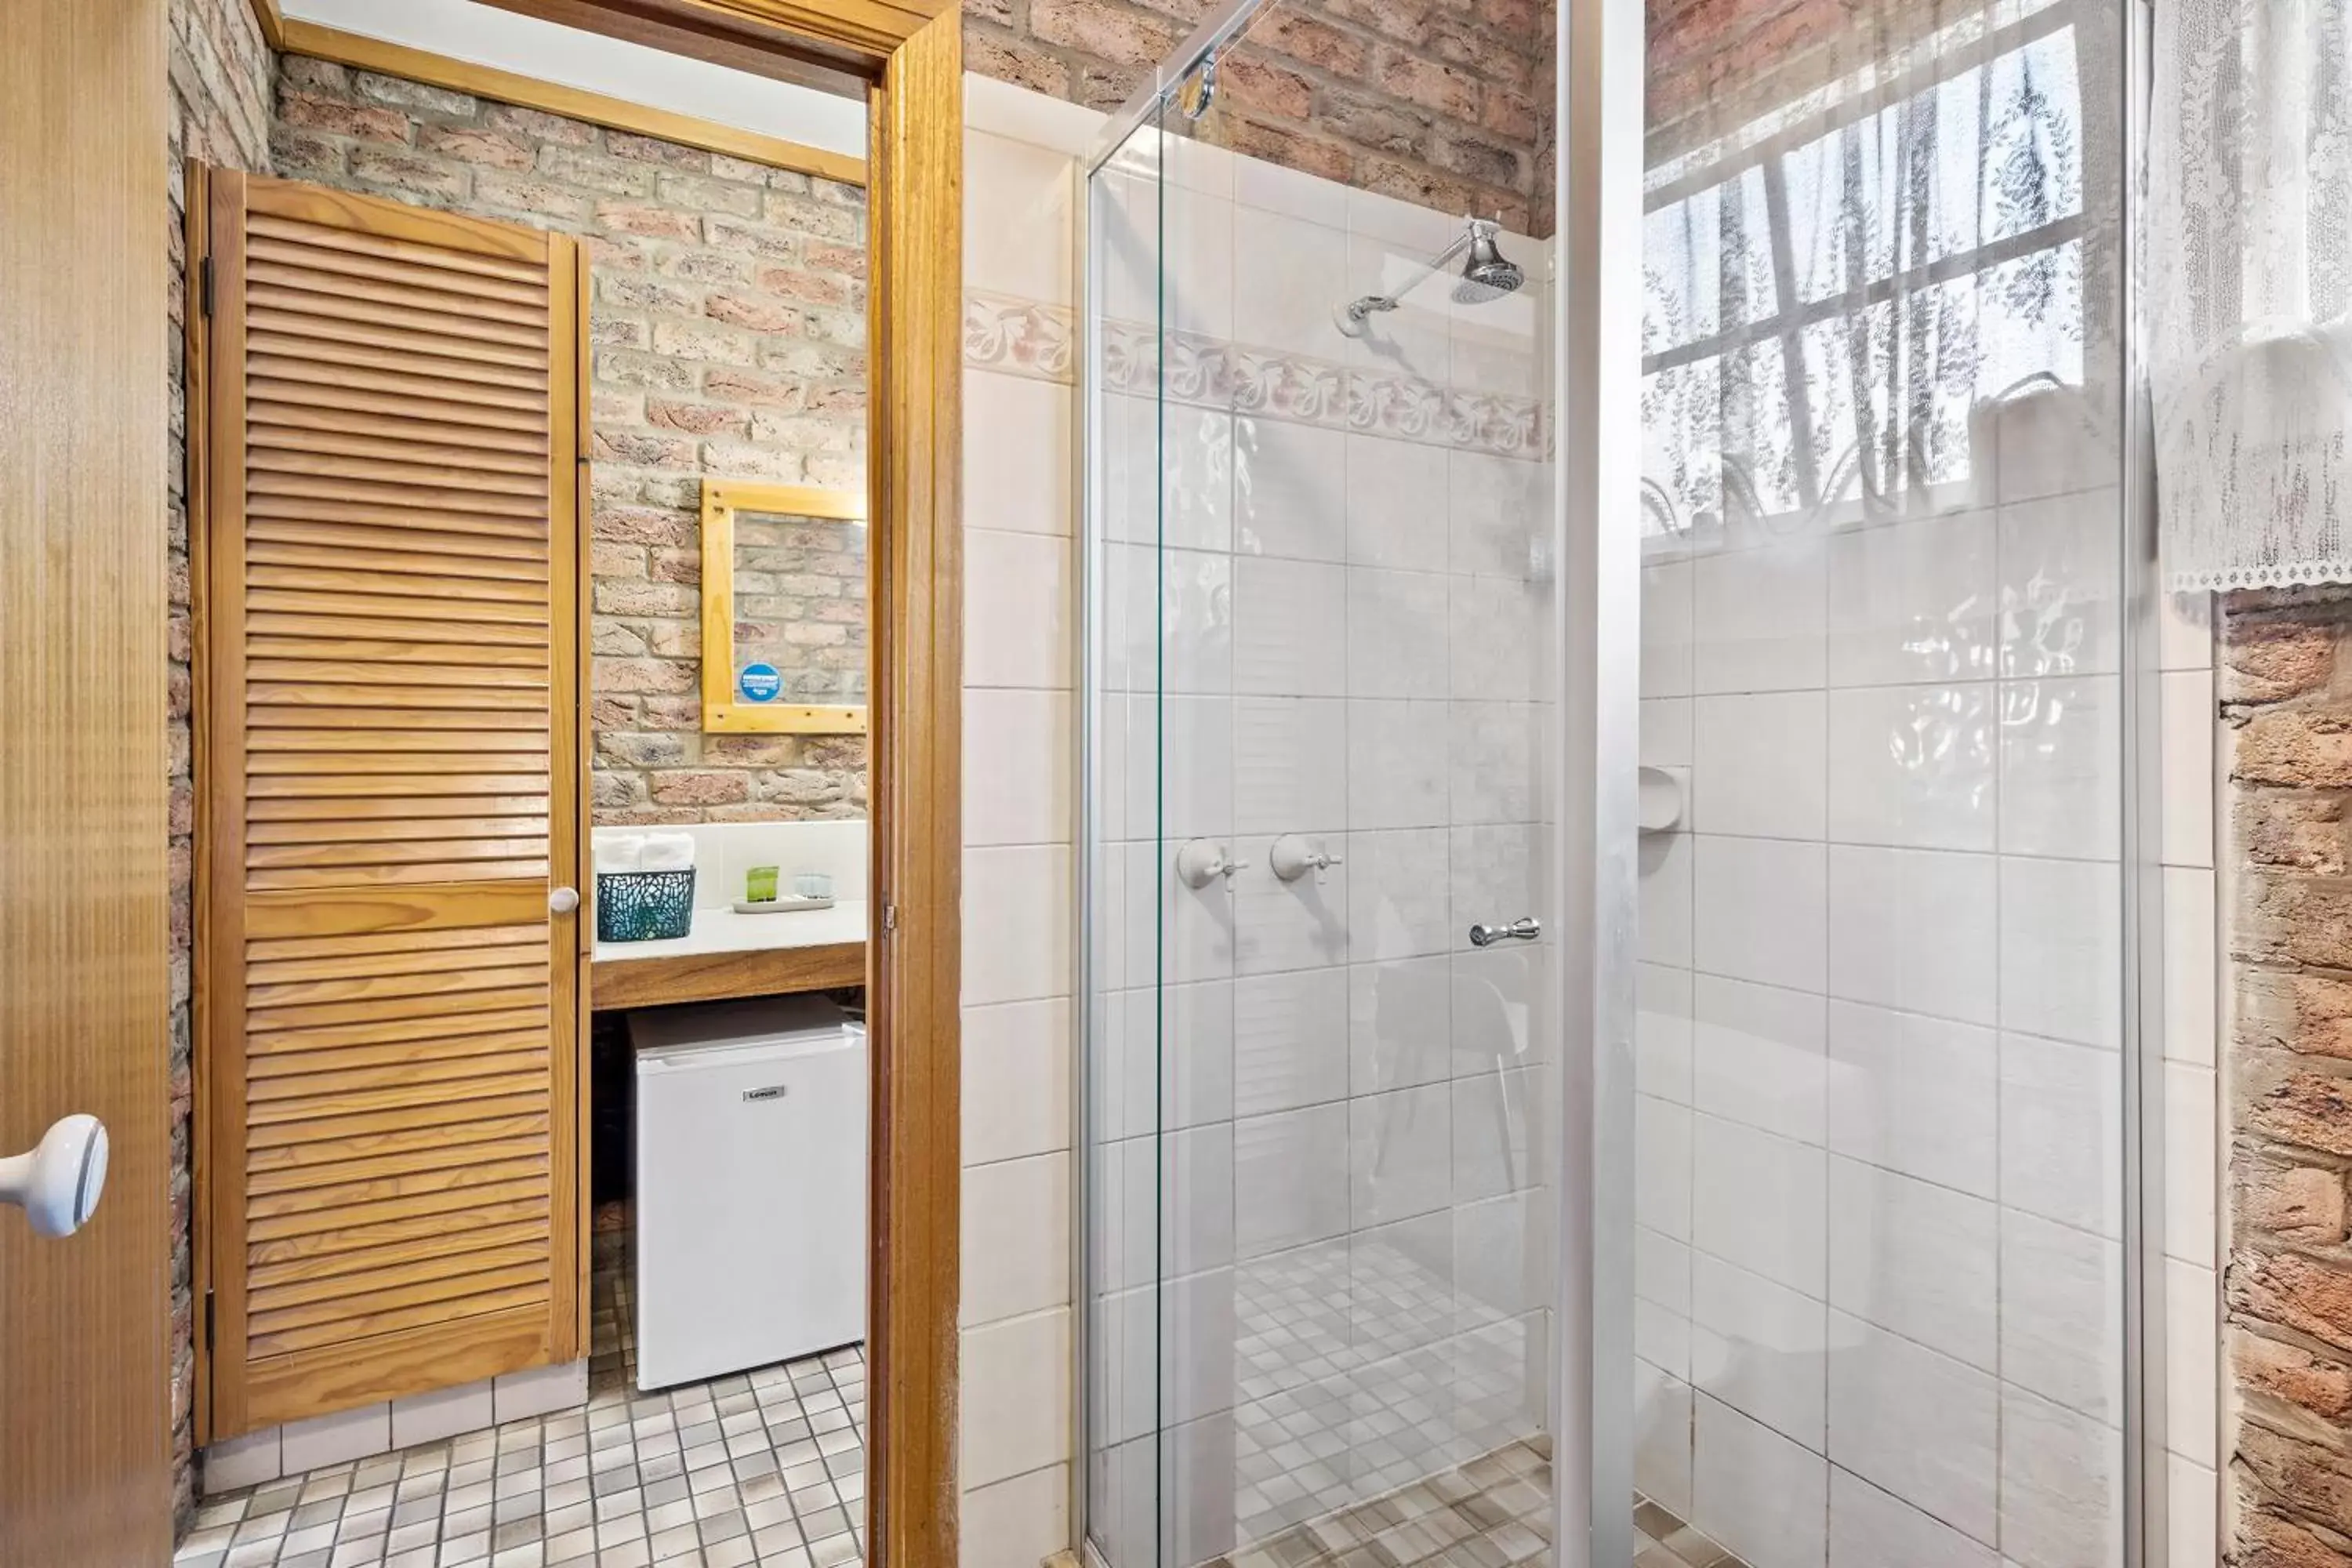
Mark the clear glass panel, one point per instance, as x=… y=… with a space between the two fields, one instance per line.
x=1879 y=1287
x=1321 y=1156
x=1125 y=1112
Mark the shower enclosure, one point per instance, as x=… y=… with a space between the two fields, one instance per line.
x=1614 y=877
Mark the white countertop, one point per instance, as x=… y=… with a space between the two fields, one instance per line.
x=724 y=930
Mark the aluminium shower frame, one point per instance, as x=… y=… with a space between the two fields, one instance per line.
x=1596 y=435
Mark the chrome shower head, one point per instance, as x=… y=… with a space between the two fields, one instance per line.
x=1486 y=274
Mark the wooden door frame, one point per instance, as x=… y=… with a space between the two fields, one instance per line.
x=909 y=53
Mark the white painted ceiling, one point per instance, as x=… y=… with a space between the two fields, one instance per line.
x=485 y=36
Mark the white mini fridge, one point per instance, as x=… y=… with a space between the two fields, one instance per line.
x=750 y=1177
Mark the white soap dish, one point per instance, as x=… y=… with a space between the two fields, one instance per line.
x=781 y=905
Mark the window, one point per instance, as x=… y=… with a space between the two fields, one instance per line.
x=1831 y=301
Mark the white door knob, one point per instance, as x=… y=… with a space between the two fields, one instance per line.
x=564 y=901
x=57 y=1184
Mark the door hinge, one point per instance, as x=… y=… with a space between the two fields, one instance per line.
x=890 y=918
x=205 y=285
x=208 y=1320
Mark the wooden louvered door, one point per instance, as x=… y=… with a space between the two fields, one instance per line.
x=391 y=793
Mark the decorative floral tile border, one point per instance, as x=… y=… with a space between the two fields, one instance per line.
x=1025 y=337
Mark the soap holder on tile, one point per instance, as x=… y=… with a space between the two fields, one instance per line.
x=1660 y=802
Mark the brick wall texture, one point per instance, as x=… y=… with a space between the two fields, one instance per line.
x=2287 y=702
x=1714 y=65
x=220 y=82
x=728 y=331
x=1444 y=103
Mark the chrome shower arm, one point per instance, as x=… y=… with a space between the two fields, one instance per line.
x=1363 y=308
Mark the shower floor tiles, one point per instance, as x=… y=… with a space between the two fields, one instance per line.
x=1346 y=1394
x=1492 y=1513
x=1662 y=1541
x=765 y=1468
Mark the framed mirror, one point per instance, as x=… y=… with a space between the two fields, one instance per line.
x=784 y=617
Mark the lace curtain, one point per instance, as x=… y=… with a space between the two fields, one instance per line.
x=2250 y=306
x=1869 y=303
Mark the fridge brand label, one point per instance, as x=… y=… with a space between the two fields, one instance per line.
x=773 y=1091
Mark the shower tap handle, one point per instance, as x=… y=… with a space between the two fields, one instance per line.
x=1526 y=929
x=1292 y=855
x=1202 y=861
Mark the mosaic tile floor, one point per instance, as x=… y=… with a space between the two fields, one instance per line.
x=1662 y=1541
x=1493 y=1512
x=1347 y=1394
x=765 y=1468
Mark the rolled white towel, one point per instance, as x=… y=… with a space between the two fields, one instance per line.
x=668 y=852
x=620 y=851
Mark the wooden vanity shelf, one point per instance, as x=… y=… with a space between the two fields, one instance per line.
x=659 y=980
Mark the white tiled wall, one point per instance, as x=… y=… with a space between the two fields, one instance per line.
x=1333 y=1280
x=2192 y=1145
x=1879 y=1261
x=299 y=1445
x=1020 y=766
x=1879 y=1224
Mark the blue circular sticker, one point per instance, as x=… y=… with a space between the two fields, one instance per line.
x=759 y=683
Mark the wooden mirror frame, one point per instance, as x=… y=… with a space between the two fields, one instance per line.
x=910 y=54
x=722 y=713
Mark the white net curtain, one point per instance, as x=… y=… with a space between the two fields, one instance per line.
x=2250 y=310
x=1854 y=298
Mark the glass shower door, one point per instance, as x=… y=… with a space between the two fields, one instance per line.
x=1319 y=1148
x=1881 y=1261
x=1127 y=1117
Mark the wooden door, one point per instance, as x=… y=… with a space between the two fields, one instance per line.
x=389 y=757
x=85 y=1377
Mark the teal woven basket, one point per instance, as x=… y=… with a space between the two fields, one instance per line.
x=644 y=906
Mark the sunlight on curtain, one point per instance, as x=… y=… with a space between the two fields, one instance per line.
x=2250 y=315
x=1837 y=311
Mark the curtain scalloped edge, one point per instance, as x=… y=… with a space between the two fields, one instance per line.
x=2285 y=575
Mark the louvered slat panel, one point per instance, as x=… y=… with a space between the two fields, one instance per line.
x=298 y=501
x=525 y=966
x=290 y=1144
x=324 y=1248
x=328 y=627
x=303 y=295
x=474 y=549
x=354 y=386
x=397 y=1055
x=385 y=793
x=307 y=691
x=390 y=1319
x=272 y=263
x=402 y=591
x=357 y=548
x=304 y=408
x=333 y=1296
x=328 y=1271
x=345 y=828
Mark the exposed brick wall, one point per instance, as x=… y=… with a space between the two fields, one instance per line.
x=220 y=74
x=1714 y=65
x=728 y=323
x=2286 y=698
x=1444 y=103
